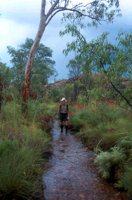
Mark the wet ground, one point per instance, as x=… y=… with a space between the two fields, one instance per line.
x=71 y=174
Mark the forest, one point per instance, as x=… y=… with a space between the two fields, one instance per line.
x=98 y=91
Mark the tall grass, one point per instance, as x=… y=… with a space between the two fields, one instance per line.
x=100 y=122
x=23 y=150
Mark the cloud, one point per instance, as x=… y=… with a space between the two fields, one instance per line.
x=23 y=11
x=20 y=18
x=12 y=34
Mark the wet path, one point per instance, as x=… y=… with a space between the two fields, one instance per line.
x=70 y=173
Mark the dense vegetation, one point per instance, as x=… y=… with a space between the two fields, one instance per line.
x=24 y=149
x=100 y=97
x=25 y=142
x=99 y=94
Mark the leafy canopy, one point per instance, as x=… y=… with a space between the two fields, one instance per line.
x=96 y=10
x=43 y=66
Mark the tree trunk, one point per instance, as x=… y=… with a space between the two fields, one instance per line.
x=27 y=78
x=44 y=20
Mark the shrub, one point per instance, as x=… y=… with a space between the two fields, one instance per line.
x=17 y=170
x=69 y=91
x=55 y=94
x=24 y=148
x=108 y=161
x=126 y=181
x=125 y=142
x=76 y=122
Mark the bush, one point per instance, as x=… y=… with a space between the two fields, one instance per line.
x=108 y=161
x=55 y=94
x=117 y=162
x=69 y=91
x=126 y=181
x=126 y=142
x=37 y=109
x=17 y=170
x=76 y=122
x=99 y=121
x=24 y=148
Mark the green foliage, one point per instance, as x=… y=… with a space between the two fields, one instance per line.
x=43 y=66
x=100 y=123
x=5 y=75
x=128 y=91
x=69 y=91
x=96 y=93
x=24 y=148
x=74 y=67
x=113 y=61
x=38 y=109
x=126 y=142
x=100 y=55
x=95 y=114
x=74 y=46
x=5 y=81
x=107 y=161
x=96 y=11
x=82 y=99
x=118 y=162
x=76 y=122
x=55 y=94
x=126 y=181
x=16 y=170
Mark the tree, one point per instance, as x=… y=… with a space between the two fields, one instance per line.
x=75 y=70
x=115 y=61
x=74 y=67
x=99 y=55
x=5 y=79
x=96 y=10
x=43 y=66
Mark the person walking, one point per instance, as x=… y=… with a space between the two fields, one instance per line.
x=63 y=114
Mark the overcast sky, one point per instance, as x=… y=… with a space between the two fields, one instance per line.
x=19 y=19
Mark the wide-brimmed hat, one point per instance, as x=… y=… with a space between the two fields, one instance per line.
x=63 y=99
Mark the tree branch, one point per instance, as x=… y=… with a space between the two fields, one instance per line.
x=116 y=89
x=59 y=9
x=119 y=92
x=79 y=12
x=78 y=5
x=52 y=9
x=50 y=18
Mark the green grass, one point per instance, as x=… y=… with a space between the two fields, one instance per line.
x=24 y=148
x=100 y=122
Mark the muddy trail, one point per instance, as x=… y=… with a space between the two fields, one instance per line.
x=71 y=174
